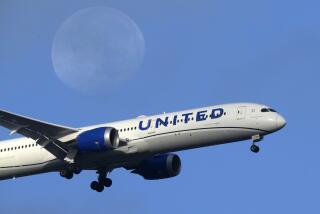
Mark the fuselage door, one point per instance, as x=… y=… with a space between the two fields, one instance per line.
x=241 y=114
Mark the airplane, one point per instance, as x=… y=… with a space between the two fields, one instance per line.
x=143 y=145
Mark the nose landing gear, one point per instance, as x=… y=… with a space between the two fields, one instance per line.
x=256 y=138
x=254 y=148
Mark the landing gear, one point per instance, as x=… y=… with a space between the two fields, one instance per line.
x=107 y=182
x=66 y=174
x=75 y=169
x=69 y=171
x=95 y=185
x=256 y=138
x=254 y=148
x=102 y=182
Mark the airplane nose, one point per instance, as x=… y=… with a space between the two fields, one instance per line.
x=281 y=122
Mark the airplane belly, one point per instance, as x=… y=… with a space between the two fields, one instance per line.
x=116 y=158
x=21 y=163
x=10 y=172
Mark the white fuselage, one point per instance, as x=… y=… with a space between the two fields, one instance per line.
x=149 y=135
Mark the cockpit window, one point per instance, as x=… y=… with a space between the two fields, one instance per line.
x=268 y=110
x=264 y=110
x=272 y=110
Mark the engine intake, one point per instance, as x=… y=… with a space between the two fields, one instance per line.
x=98 y=139
x=159 y=167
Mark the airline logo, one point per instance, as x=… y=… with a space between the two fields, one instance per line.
x=186 y=117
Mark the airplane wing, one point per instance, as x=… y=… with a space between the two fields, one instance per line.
x=45 y=134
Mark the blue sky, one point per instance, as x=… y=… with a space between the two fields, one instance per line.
x=197 y=53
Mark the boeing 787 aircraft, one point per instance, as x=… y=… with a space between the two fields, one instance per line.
x=143 y=145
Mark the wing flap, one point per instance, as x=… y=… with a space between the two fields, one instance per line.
x=53 y=148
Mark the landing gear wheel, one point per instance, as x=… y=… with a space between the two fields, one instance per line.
x=66 y=174
x=95 y=185
x=255 y=148
x=77 y=171
x=63 y=173
x=100 y=188
x=107 y=182
x=74 y=169
x=69 y=176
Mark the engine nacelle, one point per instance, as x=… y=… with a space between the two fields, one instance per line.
x=98 y=139
x=159 y=167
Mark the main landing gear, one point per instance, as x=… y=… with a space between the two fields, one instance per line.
x=69 y=172
x=256 y=138
x=102 y=182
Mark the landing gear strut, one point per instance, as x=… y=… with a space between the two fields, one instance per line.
x=256 y=138
x=102 y=182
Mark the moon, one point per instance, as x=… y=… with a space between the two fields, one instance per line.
x=96 y=49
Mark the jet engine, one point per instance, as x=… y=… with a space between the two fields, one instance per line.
x=98 y=139
x=159 y=167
